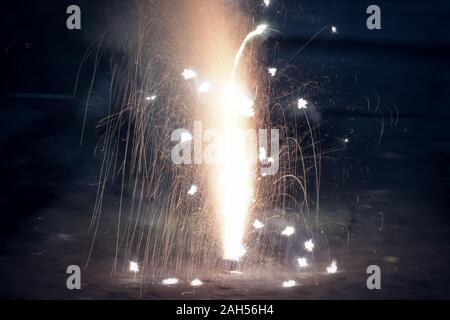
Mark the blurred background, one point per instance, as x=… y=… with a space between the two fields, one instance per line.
x=385 y=102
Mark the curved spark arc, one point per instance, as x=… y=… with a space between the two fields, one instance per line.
x=257 y=32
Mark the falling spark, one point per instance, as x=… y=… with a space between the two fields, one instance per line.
x=333 y=29
x=196 y=283
x=170 y=281
x=185 y=137
x=346 y=140
x=266 y=3
x=192 y=190
x=302 y=262
x=288 y=284
x=332 y=268
x=288 y=231
x=189 y=74
x=302 y=103
x=134 y=267
x=257 y=224
x=309 y=245
x=204 y=87
x=272 y=71
x=150 y=98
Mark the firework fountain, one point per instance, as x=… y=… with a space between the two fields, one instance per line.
x=189 y=67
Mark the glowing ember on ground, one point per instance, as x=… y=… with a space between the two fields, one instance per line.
x=134 y=267
x=309 y=245
x=302 y=103
x=288 y=231
x=257 y=224
x=170 y=281
x=192 y=190
x=272 y=71
x=196 y=283
x=302 y=262
x=333 y=29
x=332 y=268
x=289 y=284
x=189 y=74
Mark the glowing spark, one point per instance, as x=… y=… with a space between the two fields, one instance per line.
x=302 y=103
x=266 y=3
x=134 y=267
x=242 y=251
x=247 y=108
x=288 y=231
x=196 y=283
x=257 y=224
x=272 y=71
x=170 y=281
x=309 y=245
x=192 y=190
x=150 y=98
x=189 y=74
x=332 y=268
x=333 y=29
x=204 y=87
x=346 y=140
x=288 y=284
x=185 y=137
x=302 y=262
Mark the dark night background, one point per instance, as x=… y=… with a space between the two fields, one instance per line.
x=47 y=177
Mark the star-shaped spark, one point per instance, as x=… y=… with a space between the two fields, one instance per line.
x=288 y=231
x=134 y=267
x=309 y=245
x=192 y=190
x=302 y=262
x=272 y=71
x=257 y=224
x=302 y=104
x=188 y=74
